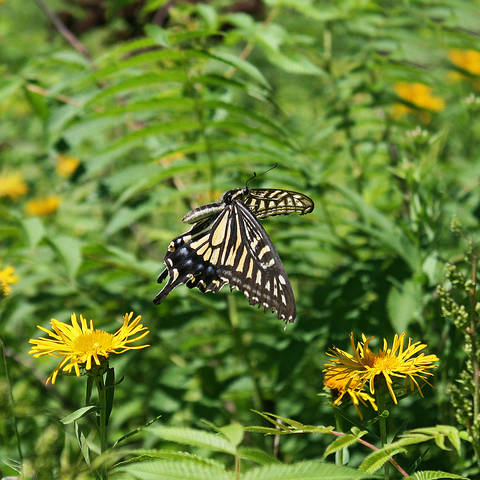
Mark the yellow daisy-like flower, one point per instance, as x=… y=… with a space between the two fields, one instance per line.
x=341 y=386
x=43 y=206
x=7 y=278
x=78 y=343
x=417 y=94
x=388 y=364
x=66 y=165
x=12 y=185
x=468 y=60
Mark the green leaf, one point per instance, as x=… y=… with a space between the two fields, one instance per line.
x=241 y=65
x=124 y=217
x=310 y=470
x=9 y=87
x=77 y=414
x=435 y=475
x=82 y=442
x=233 y=433
x=106 y=156
x=377 y=459
x=69 y=249
x=256 y=455
x=342 y=442
x=404 y=304
x=197 y=438
x=34 y=229
x=175 y=470
x=138 y=82
x=157 y=34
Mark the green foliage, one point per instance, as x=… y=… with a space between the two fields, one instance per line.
x=175 y=103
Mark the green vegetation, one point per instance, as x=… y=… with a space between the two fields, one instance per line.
x=115 y=127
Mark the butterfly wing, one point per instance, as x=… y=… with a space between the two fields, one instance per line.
x=253 y=266
x=230 y=247
x=265 y=202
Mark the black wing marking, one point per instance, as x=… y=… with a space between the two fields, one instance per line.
x=230 y=247
x=265 y=202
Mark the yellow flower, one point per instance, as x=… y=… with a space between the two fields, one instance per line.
x=350 y=386
x=468 y=60
x=12 y=185
x=7 y=278
x=78 y=343
x=419 y=95
x=43 y=205
x=66 y=165
x=388 y=364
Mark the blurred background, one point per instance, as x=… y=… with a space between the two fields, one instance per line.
x=142 y=110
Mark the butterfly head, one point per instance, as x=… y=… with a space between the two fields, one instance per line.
x=236 y=193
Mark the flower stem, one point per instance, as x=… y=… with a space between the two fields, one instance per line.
x=338 y=425
x=383 y=424
x=102 y=423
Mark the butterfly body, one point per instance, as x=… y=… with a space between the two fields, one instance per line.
x=227 y=244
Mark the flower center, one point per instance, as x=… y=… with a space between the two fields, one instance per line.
x=93 y=342
x=386 y=362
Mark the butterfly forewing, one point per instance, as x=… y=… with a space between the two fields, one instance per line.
x=253 y=266
x=263 y=202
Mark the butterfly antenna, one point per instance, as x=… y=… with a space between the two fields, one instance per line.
x=275 y=165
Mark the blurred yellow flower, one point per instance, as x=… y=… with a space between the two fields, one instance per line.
x=468 y=60
x=388 y=364
x=66 y=165
x=12 y=185
x=167 y=160
x=341 y=386
x=78 y=343
x=417 y=94
x=7 y=278
x=43 y=205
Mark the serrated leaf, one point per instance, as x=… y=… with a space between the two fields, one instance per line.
x=377 y=459
x=197 y=438
x=175 y=470
x=435 y=475
x=310 y=470
x=77 y=414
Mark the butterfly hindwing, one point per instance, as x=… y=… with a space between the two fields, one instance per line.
x=265 y=202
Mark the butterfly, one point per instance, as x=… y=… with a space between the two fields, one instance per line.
x=227 y=244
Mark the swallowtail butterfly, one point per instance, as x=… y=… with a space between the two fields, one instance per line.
x=227 y=244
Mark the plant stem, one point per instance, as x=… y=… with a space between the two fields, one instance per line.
x=373 y=447
x=12 y=402
x=472 y=332
x=383 y=425
x=102 y=424
x=237 y=467
x=339 y=454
